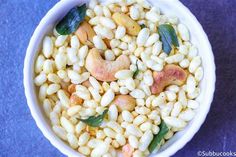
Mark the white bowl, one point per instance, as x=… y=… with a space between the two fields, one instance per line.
x=198 y=37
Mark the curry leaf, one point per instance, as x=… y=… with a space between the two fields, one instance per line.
x=157 y=138
x=137 y=71
x=95 y=121
x=72 y=20
x=142 y=26
x=168 y=37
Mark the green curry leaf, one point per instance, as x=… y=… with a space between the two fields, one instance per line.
x=143 y=26
x=168 y=37
x=72 y=20
x=158 y=137
x=136 y=71
x=95 y=121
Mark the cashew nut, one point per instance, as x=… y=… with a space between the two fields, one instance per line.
x=171 y=74
x=75 y=100
x=132 y=27
x=104 y=70
x=124 y=102
x=85 y=33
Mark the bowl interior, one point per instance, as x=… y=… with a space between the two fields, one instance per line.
x=169 y=8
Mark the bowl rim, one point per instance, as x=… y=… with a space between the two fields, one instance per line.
x=180 y=143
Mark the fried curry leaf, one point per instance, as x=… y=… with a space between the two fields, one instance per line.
x=95 y=121
x=158 y=137
x=72 y=20
x=168 y=37
x=137 y=71
x=143 y=26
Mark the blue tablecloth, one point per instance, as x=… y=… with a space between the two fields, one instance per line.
x=19 y=135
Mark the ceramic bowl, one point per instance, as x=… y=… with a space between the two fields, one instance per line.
x=168 y=7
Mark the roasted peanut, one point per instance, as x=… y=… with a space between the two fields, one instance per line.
x=124 y=102
x=127 y=150
x=91 y=130
x=107 y=42
x=86 y=84
x=71 y=88
x=75 y=100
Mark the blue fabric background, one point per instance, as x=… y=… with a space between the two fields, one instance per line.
x=19 y=135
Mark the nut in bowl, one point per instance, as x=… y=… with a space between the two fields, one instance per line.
x=119 y=78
